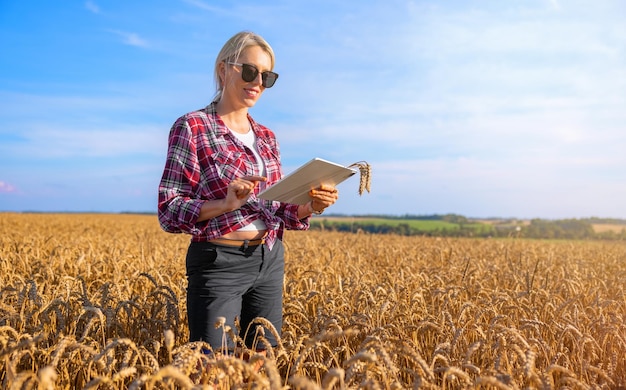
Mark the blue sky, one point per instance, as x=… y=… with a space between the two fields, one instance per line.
x=482 y=108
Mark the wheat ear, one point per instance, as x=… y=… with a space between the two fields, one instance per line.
x=365 y=171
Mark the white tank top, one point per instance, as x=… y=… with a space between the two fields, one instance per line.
x=249 y=139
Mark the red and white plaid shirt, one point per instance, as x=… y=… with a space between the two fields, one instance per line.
x=202 y=158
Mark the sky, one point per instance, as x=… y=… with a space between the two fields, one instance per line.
x=483 y=108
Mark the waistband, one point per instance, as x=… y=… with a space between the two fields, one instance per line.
x=237 y=243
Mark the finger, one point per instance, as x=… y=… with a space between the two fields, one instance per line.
x=324 y=200
x=239 y=189
x=254 y=178
x=327 y=187
x=242 y=193
x=327 y=200
x=324 y=194
x=239 y=186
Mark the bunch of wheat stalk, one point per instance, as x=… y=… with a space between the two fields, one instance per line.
x=98 y=301
x=365 y=175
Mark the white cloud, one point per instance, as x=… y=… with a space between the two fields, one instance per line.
x=131 y=39
x=206 y=7
x=555 y=4
x=6 y=187
x=92 y=6
x=524 y=188
x=46 y=141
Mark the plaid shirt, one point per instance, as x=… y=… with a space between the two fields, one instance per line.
x=202 y=158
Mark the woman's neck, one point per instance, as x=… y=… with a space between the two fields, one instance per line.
x=236 y=120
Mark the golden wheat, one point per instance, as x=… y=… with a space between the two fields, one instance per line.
x=365 y=175
x=98 y=301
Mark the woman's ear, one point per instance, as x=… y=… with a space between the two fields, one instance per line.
x=221 y=72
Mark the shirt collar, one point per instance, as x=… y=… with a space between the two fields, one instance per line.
x=220 y=128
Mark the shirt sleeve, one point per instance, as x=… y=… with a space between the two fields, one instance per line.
x=178 y=208
x=288 y=213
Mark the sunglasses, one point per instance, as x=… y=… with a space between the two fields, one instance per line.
x=250 y=72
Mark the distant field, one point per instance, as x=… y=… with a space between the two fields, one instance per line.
x=417 y=224
x=432 y=225
x=607 y=227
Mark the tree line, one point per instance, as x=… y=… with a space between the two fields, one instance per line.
x=460 y=226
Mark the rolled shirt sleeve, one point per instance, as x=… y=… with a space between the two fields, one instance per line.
x=178 y=206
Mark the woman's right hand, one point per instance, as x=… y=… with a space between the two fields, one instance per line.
x=240 y=189
x=237 y=194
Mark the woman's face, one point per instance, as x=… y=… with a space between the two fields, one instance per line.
x=244 y=94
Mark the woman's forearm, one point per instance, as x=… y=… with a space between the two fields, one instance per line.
x=213 y=208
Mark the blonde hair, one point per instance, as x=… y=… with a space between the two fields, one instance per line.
x=232 y=50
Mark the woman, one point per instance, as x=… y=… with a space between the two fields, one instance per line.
x=218 y=160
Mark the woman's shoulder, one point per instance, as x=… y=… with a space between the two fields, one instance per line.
x=261 y=130
x=198 y=120
x=206 y=114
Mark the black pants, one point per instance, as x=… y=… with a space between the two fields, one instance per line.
x=231 y=282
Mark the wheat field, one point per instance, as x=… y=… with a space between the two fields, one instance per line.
x=98 y=301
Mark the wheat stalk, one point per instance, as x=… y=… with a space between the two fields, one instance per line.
x=491 y=381
x=365 y=171
x=360 y=311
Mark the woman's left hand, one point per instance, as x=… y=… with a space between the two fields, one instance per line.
x=323 y=196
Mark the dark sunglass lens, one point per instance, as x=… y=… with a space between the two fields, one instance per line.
x=249 y=73
x=269 y=78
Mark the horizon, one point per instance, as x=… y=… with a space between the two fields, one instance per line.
x=338 y=215
x=481 y=109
